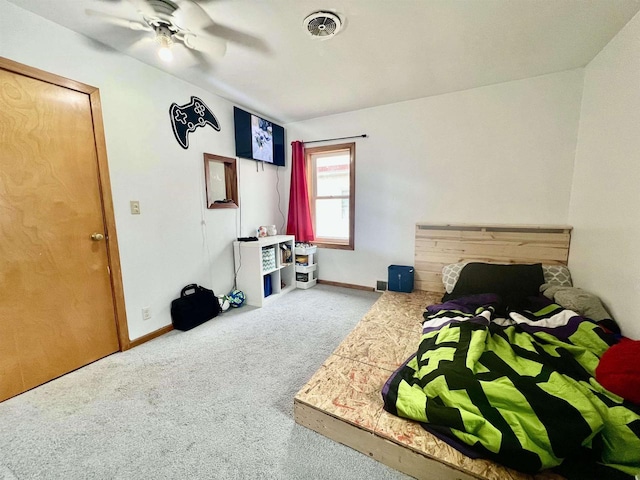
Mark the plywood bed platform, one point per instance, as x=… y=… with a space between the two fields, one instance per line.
x=343 y=402
x=343 y=398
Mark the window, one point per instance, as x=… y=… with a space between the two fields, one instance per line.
x=331 y=178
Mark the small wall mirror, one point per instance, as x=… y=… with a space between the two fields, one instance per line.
x=221 y=181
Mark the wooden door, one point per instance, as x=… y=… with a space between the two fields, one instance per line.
x=57 y=310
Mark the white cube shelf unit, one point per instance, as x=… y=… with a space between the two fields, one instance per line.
x=306 y=266
x=265 y=257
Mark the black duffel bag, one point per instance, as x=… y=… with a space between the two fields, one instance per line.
x=193 y=309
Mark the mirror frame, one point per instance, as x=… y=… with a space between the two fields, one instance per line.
x=230 y=180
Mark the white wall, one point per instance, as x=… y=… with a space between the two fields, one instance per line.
x=496 y=154
x=176 y=240
x=502 y=153
x=605 y=199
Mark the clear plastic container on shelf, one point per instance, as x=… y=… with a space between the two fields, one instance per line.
x=308 y=284
x=306 y=265
x=306 y=268
x=305 y=249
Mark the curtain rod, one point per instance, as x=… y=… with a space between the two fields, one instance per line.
x=364 y=135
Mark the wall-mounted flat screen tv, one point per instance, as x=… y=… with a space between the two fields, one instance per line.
x=257 y=138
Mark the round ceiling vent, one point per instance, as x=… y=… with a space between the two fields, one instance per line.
x=322 y=25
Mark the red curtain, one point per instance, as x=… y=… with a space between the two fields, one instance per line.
x=299 y=221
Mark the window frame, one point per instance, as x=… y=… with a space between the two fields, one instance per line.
x=309 y=153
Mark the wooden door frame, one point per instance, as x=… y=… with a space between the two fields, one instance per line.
x=113 y=255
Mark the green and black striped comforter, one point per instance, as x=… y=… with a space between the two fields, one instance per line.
x=517 y=390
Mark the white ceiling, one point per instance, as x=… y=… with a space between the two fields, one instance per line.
x=388 y=51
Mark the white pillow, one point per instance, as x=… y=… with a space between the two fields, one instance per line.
x=553 y=274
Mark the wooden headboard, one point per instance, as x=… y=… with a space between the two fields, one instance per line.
x=438 y=245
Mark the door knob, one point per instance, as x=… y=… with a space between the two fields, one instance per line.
x=96 y=237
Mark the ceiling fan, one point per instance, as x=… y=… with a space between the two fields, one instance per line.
x=171 y=21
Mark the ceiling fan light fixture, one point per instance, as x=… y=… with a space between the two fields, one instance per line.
x=165 y=54
x=165 y=40
x=164 y=19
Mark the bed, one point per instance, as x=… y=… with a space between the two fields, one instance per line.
x=343 y=399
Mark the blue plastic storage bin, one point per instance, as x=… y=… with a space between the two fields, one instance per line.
x=400 y=278
x=267 y=285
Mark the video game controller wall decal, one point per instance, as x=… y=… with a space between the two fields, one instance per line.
x=186 y=118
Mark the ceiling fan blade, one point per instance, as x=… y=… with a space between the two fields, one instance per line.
x=204 y=43
x=238 y=36
x=191 y=16
x=141 y=43
x=143 y=7
x=119 y=21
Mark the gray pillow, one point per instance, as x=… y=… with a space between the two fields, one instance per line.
x=450 y=275
x=580 y=301
x=557 y=275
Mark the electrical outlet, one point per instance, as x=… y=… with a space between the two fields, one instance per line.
x=135 y=207
x=146 y=313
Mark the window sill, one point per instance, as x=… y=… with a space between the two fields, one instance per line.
x=337 y=246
